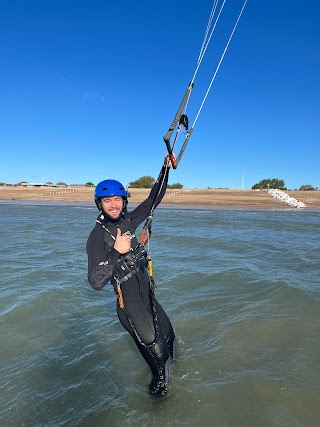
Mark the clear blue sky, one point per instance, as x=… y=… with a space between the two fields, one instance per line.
x=88 y=88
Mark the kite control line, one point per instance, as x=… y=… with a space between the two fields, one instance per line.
x=181 y=119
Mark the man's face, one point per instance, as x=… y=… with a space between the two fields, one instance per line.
x=112 y=206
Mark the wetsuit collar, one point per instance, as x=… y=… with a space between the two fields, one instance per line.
x=105 y=219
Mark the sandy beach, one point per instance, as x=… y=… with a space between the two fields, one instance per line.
x=206 y=197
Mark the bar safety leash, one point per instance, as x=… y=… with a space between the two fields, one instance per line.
x=146 y=230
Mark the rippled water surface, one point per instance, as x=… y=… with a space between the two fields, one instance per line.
x=241 y=288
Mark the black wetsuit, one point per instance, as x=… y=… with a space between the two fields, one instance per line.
x=142 y=315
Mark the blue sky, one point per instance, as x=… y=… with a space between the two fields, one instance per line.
x=89 y=87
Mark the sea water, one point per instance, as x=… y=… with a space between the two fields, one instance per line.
x=240 y=286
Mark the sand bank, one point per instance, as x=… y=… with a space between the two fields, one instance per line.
x=206 y=197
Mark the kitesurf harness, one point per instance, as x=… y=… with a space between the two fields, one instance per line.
x=181 y=119
x=128 y=264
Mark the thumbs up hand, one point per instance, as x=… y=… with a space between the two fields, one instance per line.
x=122 y=243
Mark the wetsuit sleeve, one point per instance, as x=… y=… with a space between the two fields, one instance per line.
x=156 y=195
x=100 y=262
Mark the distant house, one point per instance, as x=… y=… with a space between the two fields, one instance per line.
x=21 y=184
x=35 y=184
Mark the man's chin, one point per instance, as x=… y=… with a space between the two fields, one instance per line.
x=113 y=217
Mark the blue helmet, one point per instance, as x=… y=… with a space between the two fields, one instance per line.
x=109 y=187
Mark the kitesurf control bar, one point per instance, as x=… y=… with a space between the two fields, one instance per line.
x=179 y=119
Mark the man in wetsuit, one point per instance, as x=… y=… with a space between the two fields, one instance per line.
x=114 y=255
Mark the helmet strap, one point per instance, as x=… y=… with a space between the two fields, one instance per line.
x=99 y=204
x=125 y=204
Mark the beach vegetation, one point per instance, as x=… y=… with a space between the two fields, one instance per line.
x=146 y=181
x=307 y=187
x=175 y=186
x=266 y=184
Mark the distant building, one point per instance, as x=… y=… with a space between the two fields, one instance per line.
x=36 y=184
x=21 y=184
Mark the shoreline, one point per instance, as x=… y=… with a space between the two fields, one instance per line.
x=173 y=199
x=166 y=206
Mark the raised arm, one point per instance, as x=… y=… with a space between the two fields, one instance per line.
x=138 y=215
